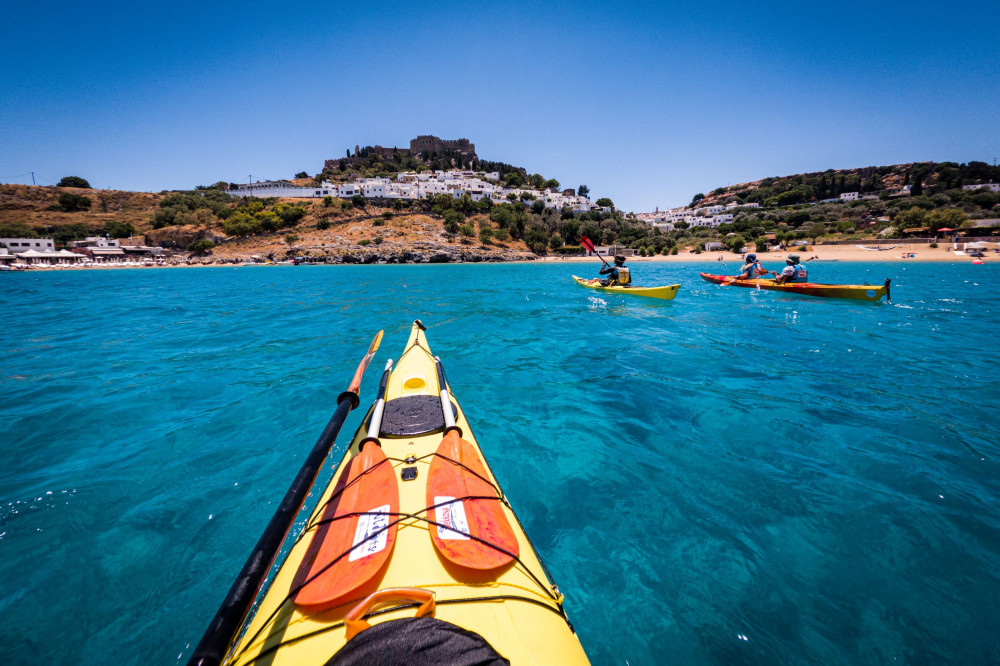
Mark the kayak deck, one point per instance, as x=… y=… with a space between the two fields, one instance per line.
x=665 y=293
x=508 y=599
x=855 y=292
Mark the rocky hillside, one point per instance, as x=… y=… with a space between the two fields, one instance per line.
x=923 y=178
x=333 y=231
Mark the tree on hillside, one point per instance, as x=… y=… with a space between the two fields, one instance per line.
x=816 y=229
x=72 y=202
x=452 y=220
x=583 y=191
x=115 y=229
x=73 y=181
x=908 y=219
x=301 y=174
x=696 y=198
x=17 y=230
x=605 y=202
x=951 y=218
x=201 y=247
x=735 y=243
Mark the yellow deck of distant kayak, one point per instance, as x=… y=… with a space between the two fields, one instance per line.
x=665 y=293
x=526 y=627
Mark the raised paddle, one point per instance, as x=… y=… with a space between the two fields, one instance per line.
x=213 y=645
x=589 y=245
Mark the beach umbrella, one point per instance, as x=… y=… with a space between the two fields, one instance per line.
x=946 y=229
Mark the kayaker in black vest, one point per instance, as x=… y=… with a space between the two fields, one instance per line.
x=614 y=272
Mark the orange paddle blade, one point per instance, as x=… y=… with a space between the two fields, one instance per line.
x=355 y=386
x=364 y=541
x=481 y=518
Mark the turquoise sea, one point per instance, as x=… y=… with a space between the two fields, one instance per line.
x=733 y=477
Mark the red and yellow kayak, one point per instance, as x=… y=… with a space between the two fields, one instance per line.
x=857 y=292
x=412 y=546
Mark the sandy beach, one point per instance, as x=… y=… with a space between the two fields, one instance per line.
x=770 y=260
x=909 y=252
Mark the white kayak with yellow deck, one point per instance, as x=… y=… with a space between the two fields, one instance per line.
x=413 y=553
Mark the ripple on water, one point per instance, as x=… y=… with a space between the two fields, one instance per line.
x=735 y=476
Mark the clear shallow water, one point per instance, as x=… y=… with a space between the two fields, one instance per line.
x=731 y=477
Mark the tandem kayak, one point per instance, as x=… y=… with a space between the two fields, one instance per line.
x=857 y=292
x=413 y=554
x=666 y=293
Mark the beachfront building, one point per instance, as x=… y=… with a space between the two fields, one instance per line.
x=610 y=250
x=34 y=251
x=18 y=245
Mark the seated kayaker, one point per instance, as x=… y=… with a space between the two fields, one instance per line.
x=793 y=272
x=751 y=269
x=617 y=273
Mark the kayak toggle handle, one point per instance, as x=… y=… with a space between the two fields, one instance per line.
x=355 y=617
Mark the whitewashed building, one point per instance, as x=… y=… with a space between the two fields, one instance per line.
x=17 y=245
x=281 y=188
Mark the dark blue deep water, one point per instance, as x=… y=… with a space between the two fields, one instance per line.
x=734 y=477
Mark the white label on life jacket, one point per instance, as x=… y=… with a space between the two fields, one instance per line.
x=451 y=515
x=376 y=520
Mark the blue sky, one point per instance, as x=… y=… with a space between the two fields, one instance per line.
x=647 y=104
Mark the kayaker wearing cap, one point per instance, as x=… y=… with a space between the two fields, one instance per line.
x=617 y=273
x=793 y=272
x=752 y=268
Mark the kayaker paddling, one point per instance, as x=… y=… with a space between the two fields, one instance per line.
x=752 y=268
x=617 y=273
x=793 y=272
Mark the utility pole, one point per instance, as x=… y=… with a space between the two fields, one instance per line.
x=33 y=173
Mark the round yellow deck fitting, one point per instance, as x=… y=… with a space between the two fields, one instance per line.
x=414 y=383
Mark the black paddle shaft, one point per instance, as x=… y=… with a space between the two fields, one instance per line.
x=212 y=648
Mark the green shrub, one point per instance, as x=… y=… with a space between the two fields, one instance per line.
x=289 y=214
x=71 y=202
x=323 y=225
x=933 y=245
x=364 y=242
x=203 y=246
x=73 y=181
